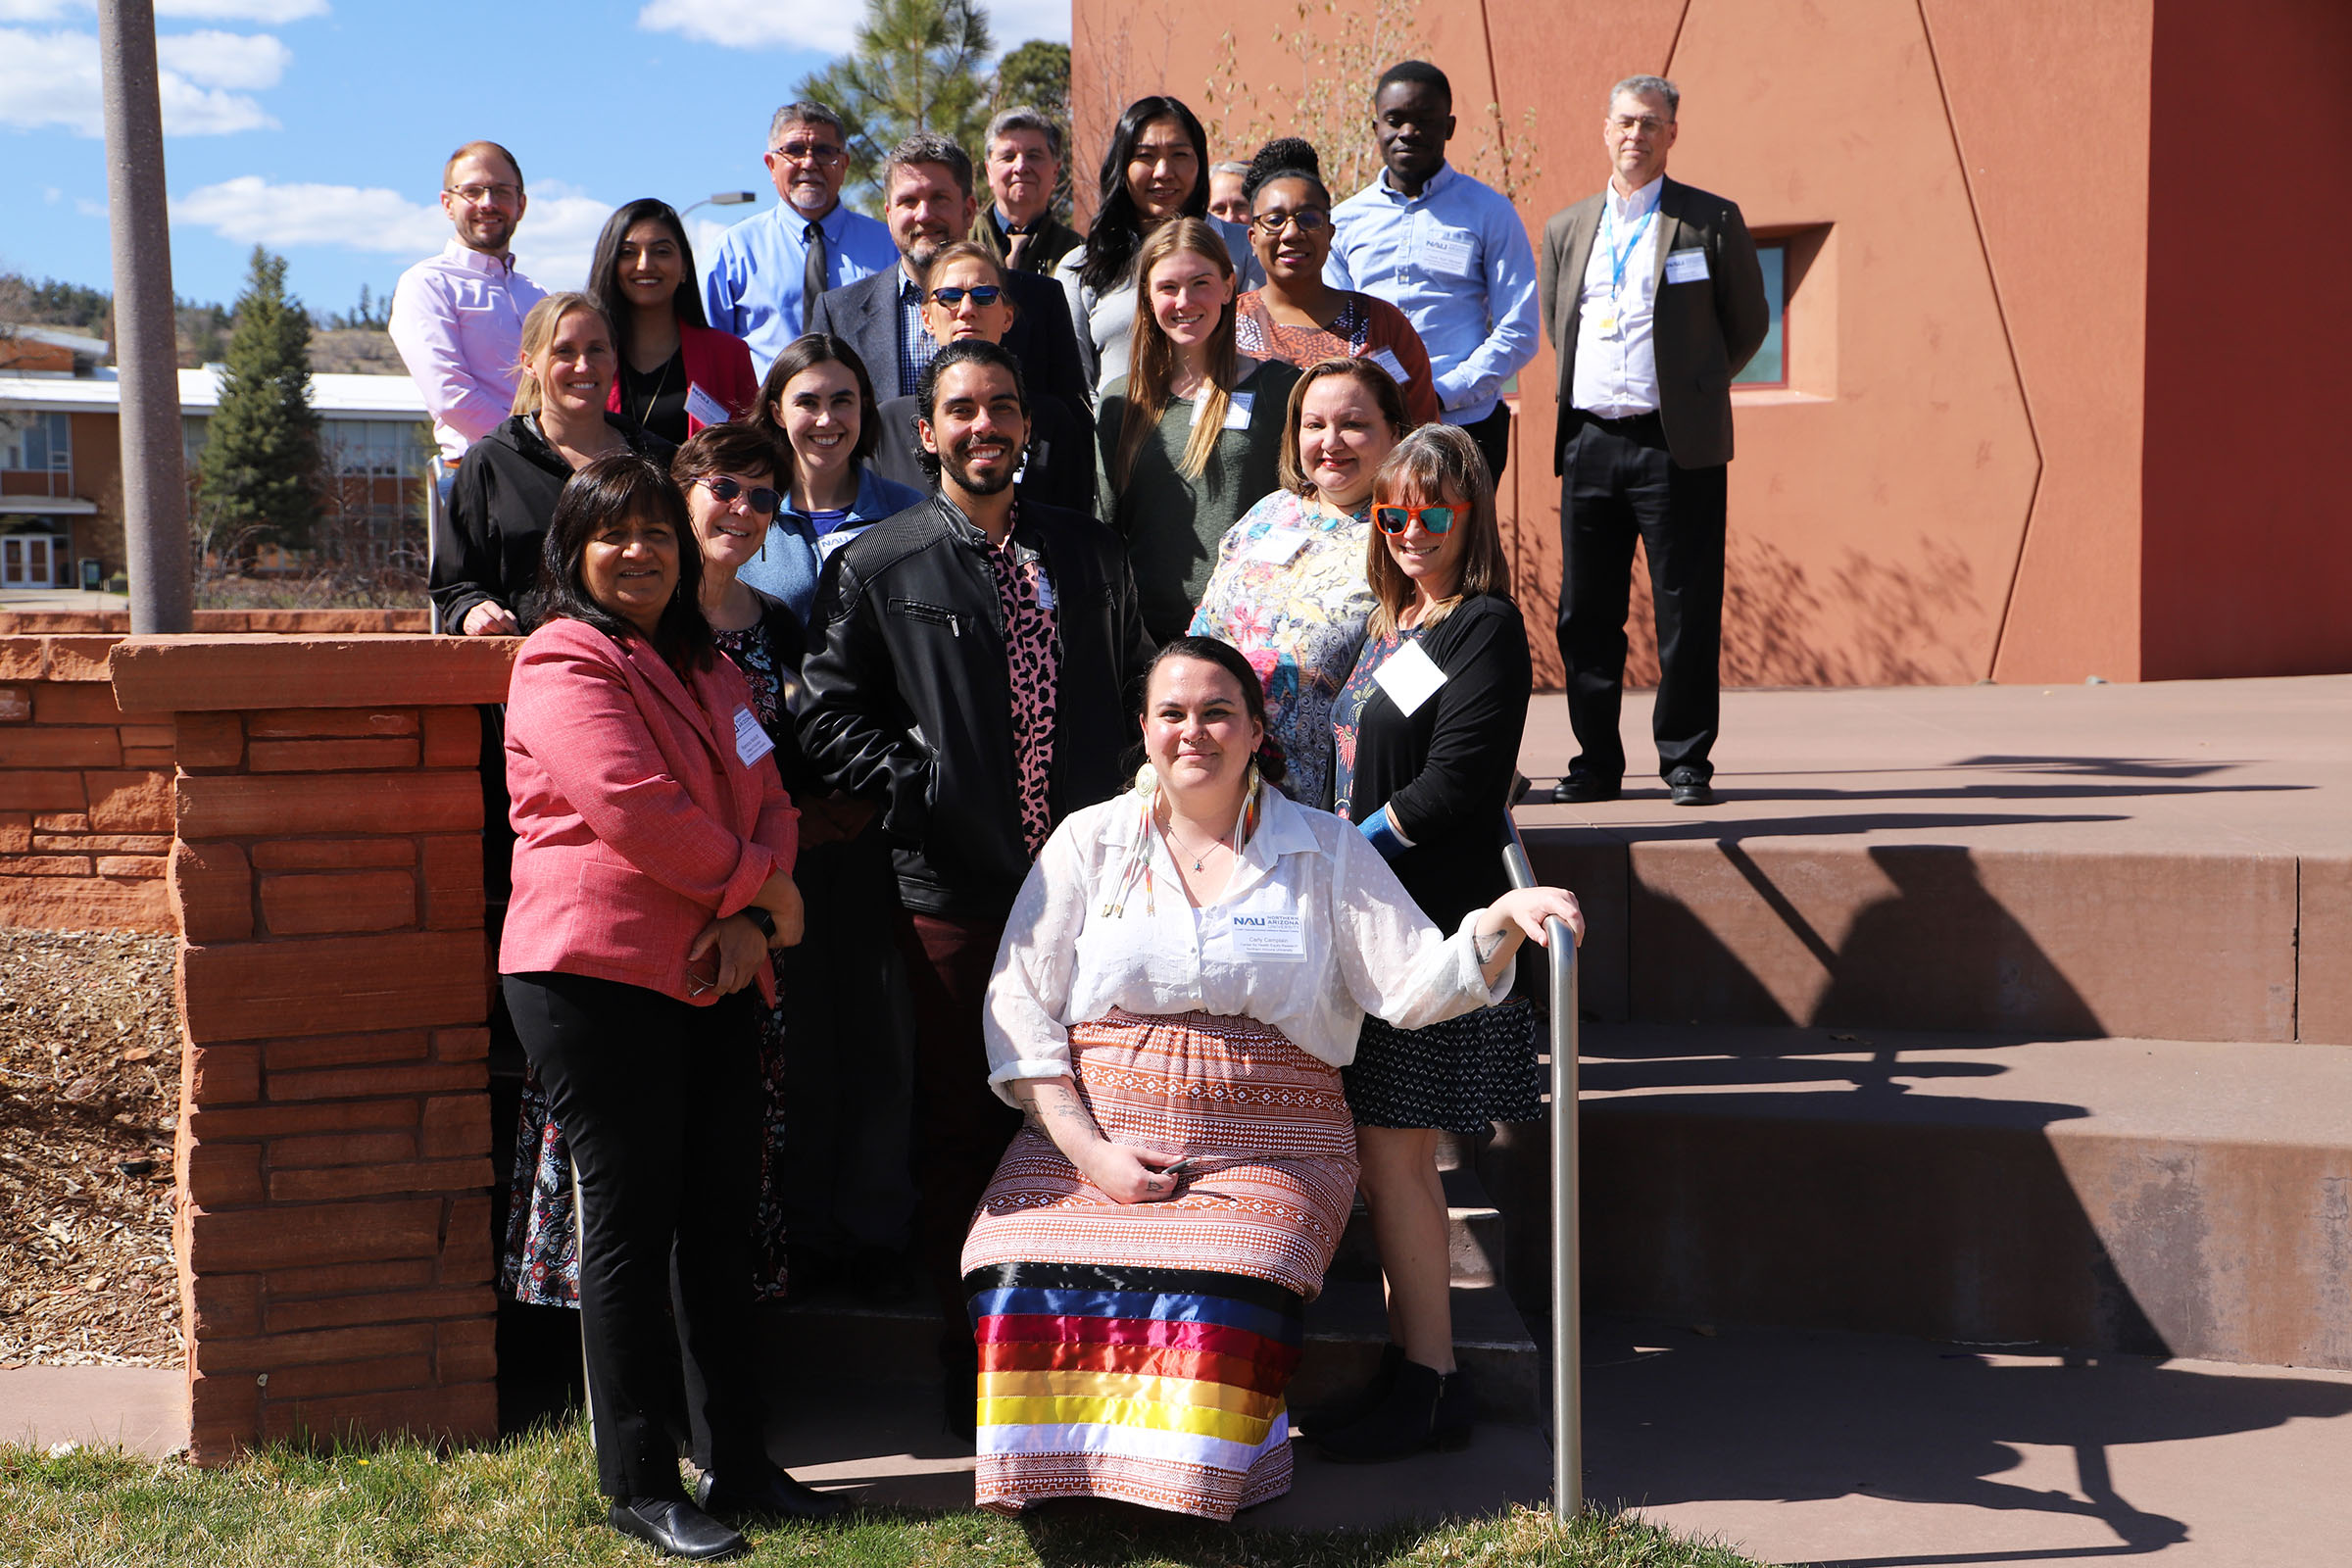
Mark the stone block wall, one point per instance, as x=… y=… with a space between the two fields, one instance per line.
x=85 y=791
x=334 y=1229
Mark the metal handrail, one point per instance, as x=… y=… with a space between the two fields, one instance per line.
x=1567 y=1263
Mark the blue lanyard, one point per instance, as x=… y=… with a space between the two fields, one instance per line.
x=1618 y=258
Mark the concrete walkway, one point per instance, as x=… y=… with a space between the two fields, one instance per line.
x=1850 y=1450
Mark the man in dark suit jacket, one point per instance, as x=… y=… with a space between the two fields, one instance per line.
x=1024 y=154
x=1653 y=301
x=927 y=192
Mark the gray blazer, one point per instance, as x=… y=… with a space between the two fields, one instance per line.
x=866 y=314
x=1703 y=332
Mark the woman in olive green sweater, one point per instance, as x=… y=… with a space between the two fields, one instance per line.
x=1190 y=438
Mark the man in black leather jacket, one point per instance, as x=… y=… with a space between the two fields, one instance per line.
x=924 y=628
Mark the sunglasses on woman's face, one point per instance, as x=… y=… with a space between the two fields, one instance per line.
x=764 y=499
x=1433 y=518
x=982 y=294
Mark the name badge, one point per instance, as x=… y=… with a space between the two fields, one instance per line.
x=1237 y=410
x=1388 y=360
x=704 y=407
x=1278 y=547
x=751 y=741
x=1448 y=251
x=1410 y=676
x=1685 y=266
x=1261 y=934
x=1045 y=590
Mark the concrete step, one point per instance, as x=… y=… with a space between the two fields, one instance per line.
x=1474 y=1235
x=2149 y=1195
x=823 y=1342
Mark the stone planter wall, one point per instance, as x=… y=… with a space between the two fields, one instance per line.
x=333 y=1231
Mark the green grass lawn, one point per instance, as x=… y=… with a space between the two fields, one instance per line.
x=532 y=1500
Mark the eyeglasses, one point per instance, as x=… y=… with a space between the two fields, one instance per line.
x=475 y=195
x=764 y=499
x=982 y=294
x=1433 y=518
x=1306 y=220
x=810 y=152
x=1627 y=125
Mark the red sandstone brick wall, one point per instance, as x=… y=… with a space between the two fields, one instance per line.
x=86 y=792
x=86 y=789
x=333 y=1225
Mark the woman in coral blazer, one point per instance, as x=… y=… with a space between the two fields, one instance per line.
x=653 y=871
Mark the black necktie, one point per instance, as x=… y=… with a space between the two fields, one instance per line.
x=812 y=277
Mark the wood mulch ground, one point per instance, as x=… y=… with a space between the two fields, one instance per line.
x=89 y=1087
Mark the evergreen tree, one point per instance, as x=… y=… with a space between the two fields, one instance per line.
x=260 y=467
x=917 y=65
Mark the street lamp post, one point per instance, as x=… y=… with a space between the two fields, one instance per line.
x=724 y=198
x=154 y=494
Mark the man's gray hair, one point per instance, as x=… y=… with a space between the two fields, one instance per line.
x=929 y=147
x=1024 y=118
x=804 y=112
x=1642 y=85
x=1230 y=167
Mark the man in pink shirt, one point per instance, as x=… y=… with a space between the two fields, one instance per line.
x=457 y=318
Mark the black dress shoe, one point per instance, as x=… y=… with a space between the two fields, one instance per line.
x=774 y=1496
x=1685 y=787
x=1581 y=789
x=676 y=1528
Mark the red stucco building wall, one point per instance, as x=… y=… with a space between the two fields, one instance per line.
x=2018 y=441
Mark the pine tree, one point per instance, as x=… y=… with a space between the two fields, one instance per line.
x=260 y=467
x=917 y=65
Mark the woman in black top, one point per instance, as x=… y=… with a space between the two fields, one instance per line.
x=1427 y=732
x=487 y=549
x=678 y=373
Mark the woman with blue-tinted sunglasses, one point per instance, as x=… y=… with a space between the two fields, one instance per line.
x=1427 y=737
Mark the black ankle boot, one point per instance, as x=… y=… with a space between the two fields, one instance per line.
x=1347 y=1408
x=1457 y=1412
x=1401 y=1425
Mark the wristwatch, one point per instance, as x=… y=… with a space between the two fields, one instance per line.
x=759 y=917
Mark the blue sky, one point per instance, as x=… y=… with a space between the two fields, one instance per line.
x=317 y=127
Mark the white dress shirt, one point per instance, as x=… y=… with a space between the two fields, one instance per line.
x=1616 y=364
x=1311 y=932
x=457 y=320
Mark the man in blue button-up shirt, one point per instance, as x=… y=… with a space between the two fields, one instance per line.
x=761 y=282
x=1445 y=249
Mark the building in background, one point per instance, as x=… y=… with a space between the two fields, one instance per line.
x=2030 y=412
x=61 y=487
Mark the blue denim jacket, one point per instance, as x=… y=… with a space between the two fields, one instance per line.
x=786 y=566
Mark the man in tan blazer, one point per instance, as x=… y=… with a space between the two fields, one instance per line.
x=1653 y=301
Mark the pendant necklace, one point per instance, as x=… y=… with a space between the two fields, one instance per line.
x=1168 y=831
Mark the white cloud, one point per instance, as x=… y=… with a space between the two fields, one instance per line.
x=552 y=246
x=1012 y=22
x=53 y=80
x=270 y=13
x=757 y=23
x=250 y=60
x=31 y=10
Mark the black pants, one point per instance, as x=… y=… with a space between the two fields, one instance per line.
x=660 y=1102
x=961 y=1126
x=1618 y=484
x=1494 y=437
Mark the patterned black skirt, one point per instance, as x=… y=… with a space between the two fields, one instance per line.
x=1456 y=1076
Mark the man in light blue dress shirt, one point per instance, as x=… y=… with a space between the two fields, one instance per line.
x=1445 y=249
x=769 y=267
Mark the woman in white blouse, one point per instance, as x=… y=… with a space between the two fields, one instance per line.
x=1186 y=969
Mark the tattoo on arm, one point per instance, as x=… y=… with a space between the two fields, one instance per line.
x=1486 y=947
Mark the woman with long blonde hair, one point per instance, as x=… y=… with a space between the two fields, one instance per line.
x=1191 y=437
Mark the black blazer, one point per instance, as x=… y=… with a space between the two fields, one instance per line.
x=1445 y=769
x=866 y=314
x=1061 y=470
x=1703 y=332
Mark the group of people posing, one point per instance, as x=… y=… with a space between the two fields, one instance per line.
x=1112 y=690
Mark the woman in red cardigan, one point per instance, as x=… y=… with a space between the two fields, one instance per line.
x=652 y=872
x=678 y=371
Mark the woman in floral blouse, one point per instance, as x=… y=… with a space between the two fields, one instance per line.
x=1289 y=587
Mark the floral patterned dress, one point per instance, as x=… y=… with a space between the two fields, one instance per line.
x=542 y=1264
x=1289 y=591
